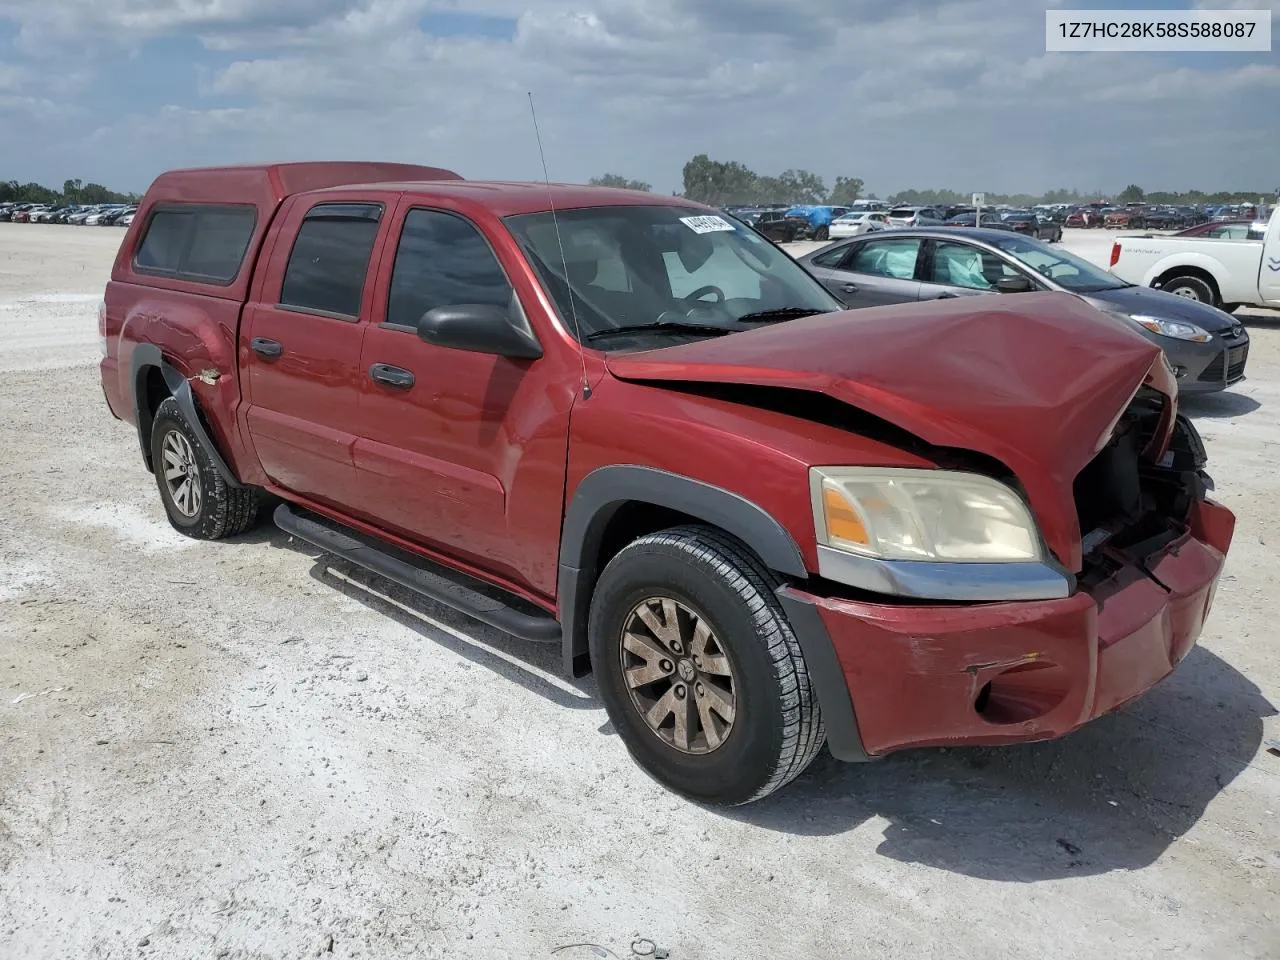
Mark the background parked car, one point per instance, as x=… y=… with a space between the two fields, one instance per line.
x=1032 y=226
x=1206 y=346
x=814 y=220
x=1123 y=219
x=990 y=221
x=778 y=227
x=856 y=223
x=915 y=217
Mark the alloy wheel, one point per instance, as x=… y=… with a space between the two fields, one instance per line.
x=678 y=675
x=181 y=474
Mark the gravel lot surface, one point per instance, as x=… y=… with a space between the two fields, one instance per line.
x=240 y=750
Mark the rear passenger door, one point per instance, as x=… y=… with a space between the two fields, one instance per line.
x=875 y=272
x=300 y=345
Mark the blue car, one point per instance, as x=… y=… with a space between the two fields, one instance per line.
x=817 y=217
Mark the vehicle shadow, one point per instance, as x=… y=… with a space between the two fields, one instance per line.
x=1218 y=406
x=1112 y=796
x=534 y=666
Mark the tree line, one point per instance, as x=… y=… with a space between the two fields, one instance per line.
x=717 y=183
x=73 y=191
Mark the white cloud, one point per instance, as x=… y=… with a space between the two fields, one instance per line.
x=899 y=93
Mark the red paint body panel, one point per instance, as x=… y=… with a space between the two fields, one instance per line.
x=915 y=672
x=762 y=455
x=1032 y=380
x=471 y=460
x=142 y=307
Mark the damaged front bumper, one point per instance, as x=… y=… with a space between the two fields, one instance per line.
x=987 y=674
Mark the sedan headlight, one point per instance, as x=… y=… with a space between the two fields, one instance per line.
x=1176 y=329
x=929 y=515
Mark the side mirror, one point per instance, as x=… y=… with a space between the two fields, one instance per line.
x=1014 y=285
x=480 y=328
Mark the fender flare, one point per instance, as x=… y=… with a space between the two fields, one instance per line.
x=604 y=491
x=146 y=355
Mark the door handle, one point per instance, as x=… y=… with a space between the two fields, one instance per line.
x=266 y=348
x=392 y=376
x=946 y=296
x=850 y=288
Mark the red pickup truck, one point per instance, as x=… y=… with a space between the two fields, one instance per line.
x=625 y=424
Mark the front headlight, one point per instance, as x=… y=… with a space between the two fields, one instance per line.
x=1176 y=329
x=929 y=515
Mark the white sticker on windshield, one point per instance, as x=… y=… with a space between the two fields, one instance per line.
x=708 y=224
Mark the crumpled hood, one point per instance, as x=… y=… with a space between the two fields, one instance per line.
x=1032 y=380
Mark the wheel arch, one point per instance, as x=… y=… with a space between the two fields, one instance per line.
x=149 y=373
x=1161 y=279
x=616 y=503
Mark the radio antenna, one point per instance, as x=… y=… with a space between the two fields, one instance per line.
x=564 y=261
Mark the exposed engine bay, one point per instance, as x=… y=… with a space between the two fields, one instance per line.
x=1130 y=507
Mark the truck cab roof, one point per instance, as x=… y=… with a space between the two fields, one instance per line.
x=269 y=183
x=508 y=198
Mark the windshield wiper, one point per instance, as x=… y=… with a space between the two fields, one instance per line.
x=663 y=326
x=782 y=313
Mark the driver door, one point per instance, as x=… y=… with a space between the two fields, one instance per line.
x=956 y=269
x=460 y=451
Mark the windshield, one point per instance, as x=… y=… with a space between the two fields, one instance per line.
x=629 y=266
x=1065 y=269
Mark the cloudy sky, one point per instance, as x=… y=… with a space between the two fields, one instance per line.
x=902 y=93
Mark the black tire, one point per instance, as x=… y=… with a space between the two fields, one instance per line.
x=219 y=510
x=822 y=233
x=777 y=727
x=1191 y=287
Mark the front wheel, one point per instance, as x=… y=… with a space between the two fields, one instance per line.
x=699 y=669
x=199 y=502
x=822 y=233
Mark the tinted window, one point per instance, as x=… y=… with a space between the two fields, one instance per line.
x=442 y=261
x=198 y=243
x=165 y=241
x=330 y=258
x=887 y=258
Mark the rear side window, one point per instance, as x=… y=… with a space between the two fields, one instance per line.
x=203 y=243
x=443 y=261
x=887 y=258
x=330 y=258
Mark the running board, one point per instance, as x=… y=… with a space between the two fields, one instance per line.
x=539 y=629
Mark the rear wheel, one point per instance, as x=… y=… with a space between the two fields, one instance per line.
x=699 y=669
x=198 y=501
x=1190 y=288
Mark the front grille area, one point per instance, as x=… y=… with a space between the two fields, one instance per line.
x=1213 y=373
x=1236 y=358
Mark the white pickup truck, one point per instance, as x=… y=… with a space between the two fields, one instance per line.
x=1223 y=273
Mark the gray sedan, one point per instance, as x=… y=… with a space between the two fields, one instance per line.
x=1207 y=347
